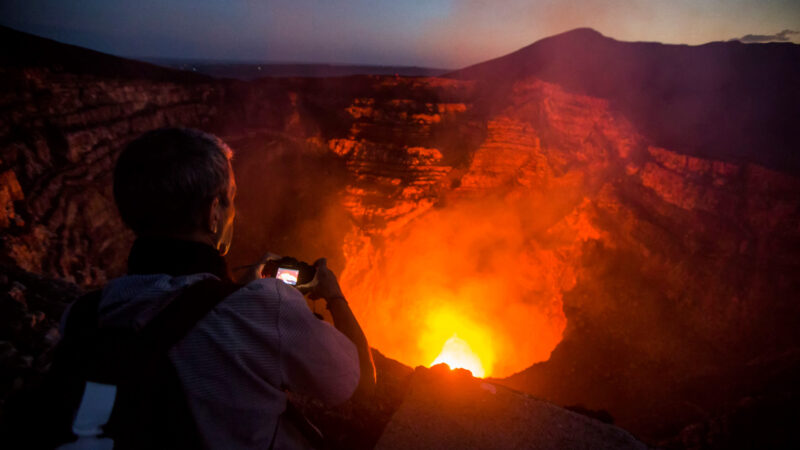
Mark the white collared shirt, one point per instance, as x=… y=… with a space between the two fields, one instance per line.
x=237 y=362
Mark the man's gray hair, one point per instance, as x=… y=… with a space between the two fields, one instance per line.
x=166 y=180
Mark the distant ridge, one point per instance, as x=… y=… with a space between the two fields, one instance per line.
x=252 y=71
x=723 y=100
x=22 y=49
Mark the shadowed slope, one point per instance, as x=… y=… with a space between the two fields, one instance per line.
x=23 y=50
x=723 y=100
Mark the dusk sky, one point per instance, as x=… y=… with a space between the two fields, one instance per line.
x=432 y=33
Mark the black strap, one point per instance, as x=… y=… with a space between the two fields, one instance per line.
x=183 y=313
x=150 y=395
x=51 y=406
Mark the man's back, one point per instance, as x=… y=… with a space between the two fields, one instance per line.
x=236 y=362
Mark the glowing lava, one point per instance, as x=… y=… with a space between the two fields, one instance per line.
x=453 y=338
x=487 y=271
x=457 y=354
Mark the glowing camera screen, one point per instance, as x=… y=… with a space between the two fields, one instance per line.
x=288 y=276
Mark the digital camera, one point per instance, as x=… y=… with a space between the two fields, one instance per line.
x=290 y=270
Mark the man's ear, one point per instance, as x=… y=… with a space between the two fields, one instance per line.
x=214 y=216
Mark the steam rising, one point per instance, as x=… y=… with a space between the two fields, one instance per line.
x=480 y=269
x=288 y=202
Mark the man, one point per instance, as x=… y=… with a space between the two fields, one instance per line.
x=175 y=189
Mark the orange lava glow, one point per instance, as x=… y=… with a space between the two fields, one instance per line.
x=457 y=354
x=464 y=344
x=475 y=285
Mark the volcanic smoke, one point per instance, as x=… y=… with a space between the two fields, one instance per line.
x=472 y=285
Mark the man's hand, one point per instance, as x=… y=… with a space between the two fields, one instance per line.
x=254 y=272
x=324 y=285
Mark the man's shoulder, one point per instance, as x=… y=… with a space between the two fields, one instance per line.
x=269 y=296
x=133 y=286
x=138 y=298
x=270 y=290
x=264 y=288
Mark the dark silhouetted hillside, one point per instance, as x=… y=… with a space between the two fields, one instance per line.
x=23 y=50
x=725 y=100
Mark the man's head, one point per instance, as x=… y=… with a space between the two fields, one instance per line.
x=177 y=182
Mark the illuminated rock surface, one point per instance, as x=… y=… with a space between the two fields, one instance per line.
x=64 y=114
x=451 y=410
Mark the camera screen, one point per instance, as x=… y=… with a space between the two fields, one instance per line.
x=288 y=276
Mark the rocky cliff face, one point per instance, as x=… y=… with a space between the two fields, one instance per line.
x=582 y=259
x=61 y=133
x=685 y=263
x=680 y=267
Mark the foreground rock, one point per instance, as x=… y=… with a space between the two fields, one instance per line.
x=445 y=409
x=30 y=308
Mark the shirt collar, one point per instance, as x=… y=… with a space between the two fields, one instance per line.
x=176 y=257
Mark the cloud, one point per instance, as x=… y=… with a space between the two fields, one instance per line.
x=783 y=36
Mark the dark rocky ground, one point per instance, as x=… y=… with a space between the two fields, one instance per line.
x=30 y=309
x=452 y=410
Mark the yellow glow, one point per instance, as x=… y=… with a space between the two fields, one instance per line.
x=457 y=354
x=453 y=339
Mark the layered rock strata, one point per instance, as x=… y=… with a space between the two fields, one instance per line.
x=60 y=136
x=668 y=266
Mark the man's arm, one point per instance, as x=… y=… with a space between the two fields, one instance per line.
x=326 y=286
x=345 y=321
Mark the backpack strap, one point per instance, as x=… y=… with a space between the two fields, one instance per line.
x=151 y=410
x=183 y=313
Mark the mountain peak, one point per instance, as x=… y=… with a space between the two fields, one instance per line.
x=583 y=32
x=693 y=98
